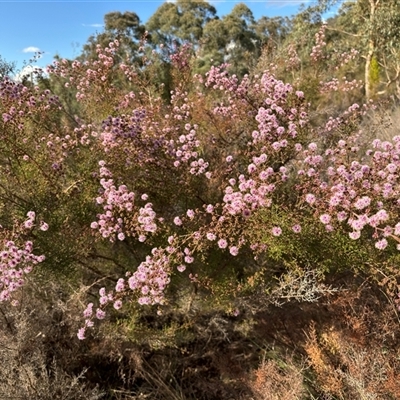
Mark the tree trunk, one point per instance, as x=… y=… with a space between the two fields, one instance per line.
x=371 y=49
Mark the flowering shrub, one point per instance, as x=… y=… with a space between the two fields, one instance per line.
x=226 y=182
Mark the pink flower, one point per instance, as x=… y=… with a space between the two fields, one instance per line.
x=81 y=334
x=363 y=202
x=28 y=224
x=312 y=146
x=190 y=213
x=121 y=236
x=177 y=221
x=189 y=259
x=181 y=268
x=88 y=311
x=382 y=215
x=210 y=236
x=117 y=304
x=276 y=231
x=234 y=250
x=251 y=168
x=329 y=228
x=296 y=228
x=341 y=216
x=89 y=323
x=100 y=314
x=355 y=235
x=276 y=146
x=144 y=300
x=263 y=175
x=381 y=244
x=310 y=198
x=298 y=147
x=325 y=219
x=119 y=287
x=222 y=244
x=94 y=225
x=171 y=239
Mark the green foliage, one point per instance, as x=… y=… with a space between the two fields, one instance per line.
x=313 y=248
x=180 y=21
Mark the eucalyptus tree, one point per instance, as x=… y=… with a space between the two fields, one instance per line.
x=379 y=22
x=372 y=27
x=232 y=39
x=272 y=31
x=243 y=48
x=179 y=22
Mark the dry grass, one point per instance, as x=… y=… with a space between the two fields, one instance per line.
x=278 y=380
x=31 y=338
x=344 y=346
x=355 y=356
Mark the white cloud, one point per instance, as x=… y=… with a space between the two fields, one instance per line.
x=93 y=25
x=31 y=49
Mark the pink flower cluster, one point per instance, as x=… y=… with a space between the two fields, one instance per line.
x=87 y=75
x=118 y=205
x=317 y=50
x=345 y=57
x=21 y=102
x=15 y=263
x=148 y=283
x=116 y=202
x=185 y=151
x=219 y=79
x=123 y=126
x=147 y=222
x=278 y=123
x=362 y=194
x=335 y=85
x=250 y=193
x=180 y=58
x=293 y=59
x=151 y=278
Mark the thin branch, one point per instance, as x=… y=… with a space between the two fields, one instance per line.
x=345 y=32
x=94 y=255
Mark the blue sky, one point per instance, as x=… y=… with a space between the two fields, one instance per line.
x=62 y=27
